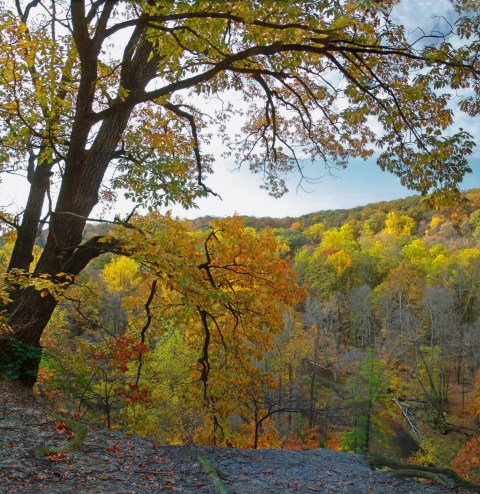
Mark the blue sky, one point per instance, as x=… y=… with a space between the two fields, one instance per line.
x=359 y=184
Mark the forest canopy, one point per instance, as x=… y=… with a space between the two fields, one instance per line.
x=378 y=352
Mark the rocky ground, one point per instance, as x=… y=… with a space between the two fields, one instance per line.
x=111 y=462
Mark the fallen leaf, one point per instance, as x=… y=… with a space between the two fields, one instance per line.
x=57 y=457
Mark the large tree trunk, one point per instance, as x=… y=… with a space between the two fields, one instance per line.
x=29 y=313
x=30 y=310
x=84 y=169
x=27 y=232
x=20 y=354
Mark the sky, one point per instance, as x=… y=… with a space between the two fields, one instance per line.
x=361 y=183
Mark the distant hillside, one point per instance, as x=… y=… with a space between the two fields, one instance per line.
x=412 y=206
x=374 y=214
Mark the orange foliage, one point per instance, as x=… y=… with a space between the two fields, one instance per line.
x=293 y=442
x=329 y=252
x=334 y=441
x=296 y=225
x=307 y=439
x=244 y=436
x=467 y=461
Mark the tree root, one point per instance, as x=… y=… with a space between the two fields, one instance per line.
x=443 y=476
x=79 y=429
x=210 y=469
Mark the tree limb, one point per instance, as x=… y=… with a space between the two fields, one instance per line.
x=444 y=476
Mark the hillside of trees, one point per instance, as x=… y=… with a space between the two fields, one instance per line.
x=353 y=329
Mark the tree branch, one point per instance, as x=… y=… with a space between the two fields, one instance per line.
x=24 y=15
x=226 y=64
x=143 y=332
x=91 y=249
x=196 y=146
x=203 y=360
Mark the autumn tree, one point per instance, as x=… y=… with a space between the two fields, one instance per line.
x=88 y=85
x=467 y=462
x=190 y=357
x=368 y=387
x=226 y=299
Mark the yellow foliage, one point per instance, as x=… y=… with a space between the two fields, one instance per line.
x=436 y=222
x=341 y=261
x=315 y=231
x=427 y=455
x=121 y=274
x=399 y=225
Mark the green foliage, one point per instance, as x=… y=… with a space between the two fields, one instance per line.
x=13 y=356
x=368 y=387
x=378 y=325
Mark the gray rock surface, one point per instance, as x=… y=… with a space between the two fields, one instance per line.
x=320 y=470
x=111 y=462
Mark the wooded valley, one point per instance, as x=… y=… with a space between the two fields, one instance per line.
x=354 y=329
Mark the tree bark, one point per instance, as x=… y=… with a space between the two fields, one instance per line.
x=27 y=232
x=85 y=167
x=30 y=311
